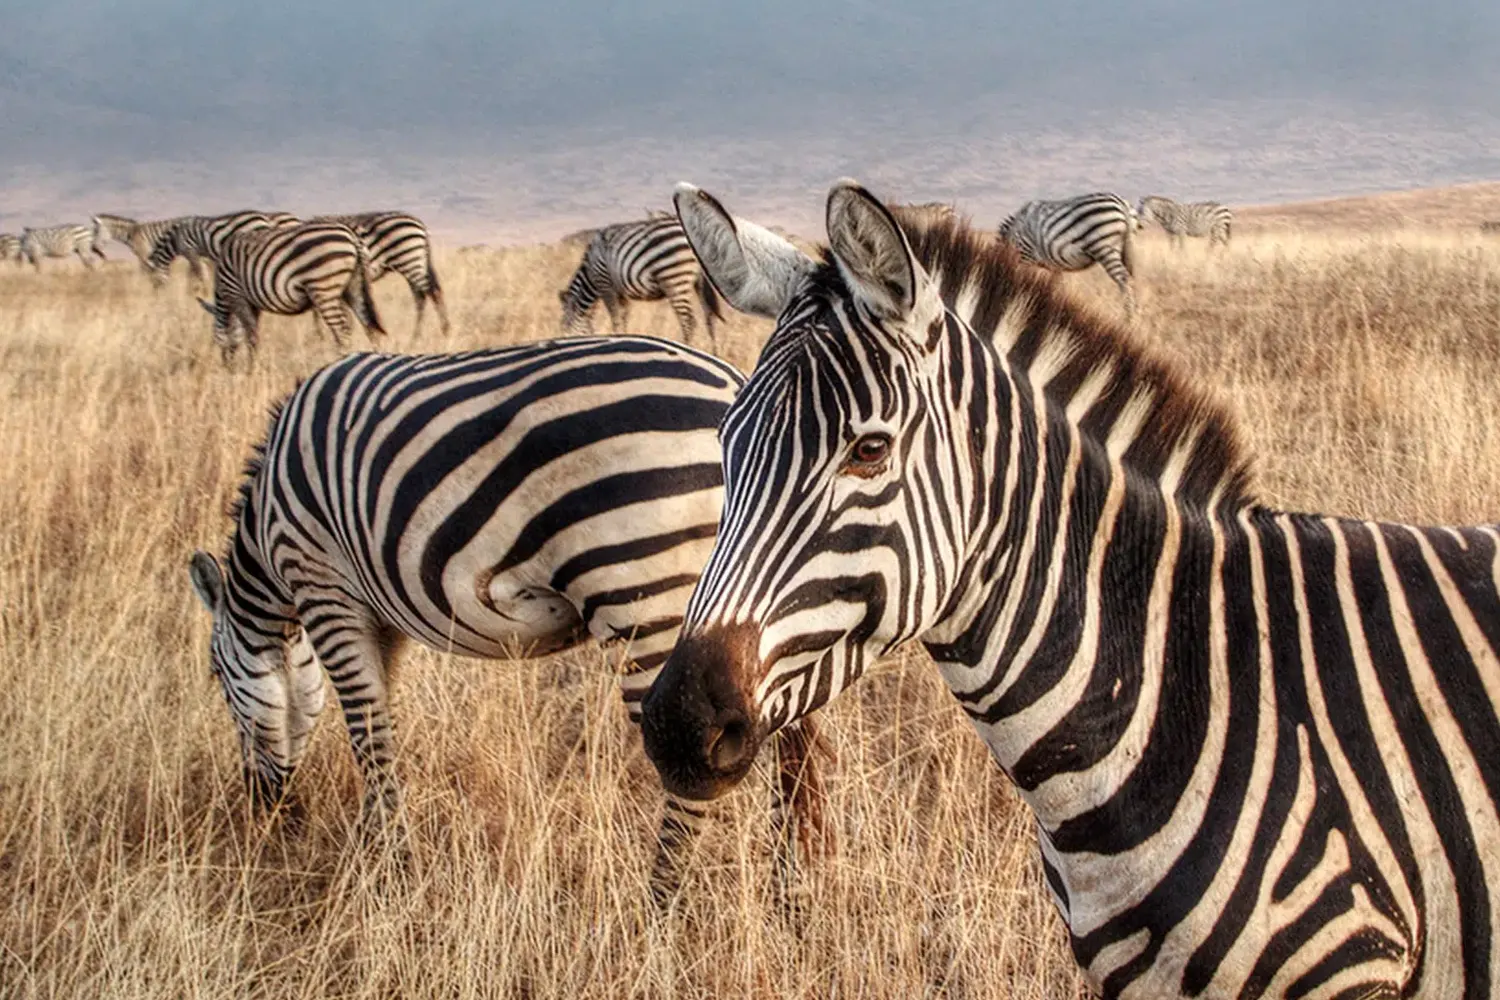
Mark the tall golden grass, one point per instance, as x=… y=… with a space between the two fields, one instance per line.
x=1363 y=368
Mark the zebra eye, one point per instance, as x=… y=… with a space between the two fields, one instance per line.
x=869 y=452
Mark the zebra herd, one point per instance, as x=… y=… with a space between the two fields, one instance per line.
x=1262 y=747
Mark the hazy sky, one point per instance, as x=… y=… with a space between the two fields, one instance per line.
x=577 y=107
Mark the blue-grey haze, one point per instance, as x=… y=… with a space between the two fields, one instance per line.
x=403 y=94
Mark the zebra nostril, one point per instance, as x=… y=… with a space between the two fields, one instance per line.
x=727 y=745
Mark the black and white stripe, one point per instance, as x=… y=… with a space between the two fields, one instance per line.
x=497 y=503
x=1262 y=748
x=645 y=260
x=1199 y=218
x=202 y=237
x=399 y=243
x=142 y=237
x=10 y=247
x=60 y=241
x=1077 y=233
x=318 y=266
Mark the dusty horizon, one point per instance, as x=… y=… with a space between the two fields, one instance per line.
x=1256 y=154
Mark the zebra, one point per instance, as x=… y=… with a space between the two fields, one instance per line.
x=648 y=259
x=1261 y=747
x=399 y=242
x=321 y=266
x=1077 y=233
x=202 y=237
x=1490 y=226
x=142 y=237
x=495 y=503
x=1199 y=218
x=59 y=241
x=10 y=247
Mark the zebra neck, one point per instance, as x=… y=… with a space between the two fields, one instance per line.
x=1092 y=585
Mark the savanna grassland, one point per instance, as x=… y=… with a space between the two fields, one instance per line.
x=1362 y=366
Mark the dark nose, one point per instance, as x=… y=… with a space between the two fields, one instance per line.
x=697 y=721
x=726 y=740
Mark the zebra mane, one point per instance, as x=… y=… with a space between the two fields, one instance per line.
x=1029 y=318
x=251 y=470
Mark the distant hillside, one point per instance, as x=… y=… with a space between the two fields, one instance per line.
x=1461 y=206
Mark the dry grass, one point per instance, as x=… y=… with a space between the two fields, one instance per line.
x=1363 y=369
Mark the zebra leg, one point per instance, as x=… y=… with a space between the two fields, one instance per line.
x=356 y=650
x=306 y=699
x=419 y=298
x=330 y=312
x=88 y=265
x=687 y=323
x=435 y=293
x=619 y=311
x=1114 y=266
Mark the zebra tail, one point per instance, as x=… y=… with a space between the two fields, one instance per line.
x=357 y=295
x=1127 y=252
x=708 y=298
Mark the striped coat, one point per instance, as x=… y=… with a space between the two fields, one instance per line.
x=202 y=237
x=142 y=237
x=495 y=503
x=1262 y=747
x=399 y=243
x=1077 y=233
x=10 y=247
x=1199 y=218
x=645 y=260
x=317 y=266
x=60 y=241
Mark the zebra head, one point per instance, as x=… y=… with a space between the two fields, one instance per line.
x=251 y=663
x=819 y=567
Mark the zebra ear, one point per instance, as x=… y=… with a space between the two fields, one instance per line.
x=872 y=253
x=208 y=580
x=755 y=270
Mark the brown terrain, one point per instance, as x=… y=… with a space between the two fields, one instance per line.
x=1354 y=340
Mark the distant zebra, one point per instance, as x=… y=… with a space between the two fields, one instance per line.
x=10 y=247
x=399 y=242
x=201 y=237
x=1199 y=218
x=497 y=503
x=60 y=241
x=1490 y=226
x=141 y=238
x=1077 y=233
x=1261 y=748
x=646 y=260
x=322 y=266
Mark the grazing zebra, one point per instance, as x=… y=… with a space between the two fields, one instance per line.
x=1199 y=218
x=645 y=260
x=142 y=237
x=321 y=266
x=1261 y=747
x=1075 y=234
x=59 y=241
x=10 y=247
x=399 y=242
x=496 y=503
x=202 y=237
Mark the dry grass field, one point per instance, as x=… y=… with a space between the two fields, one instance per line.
x=1363 y=366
